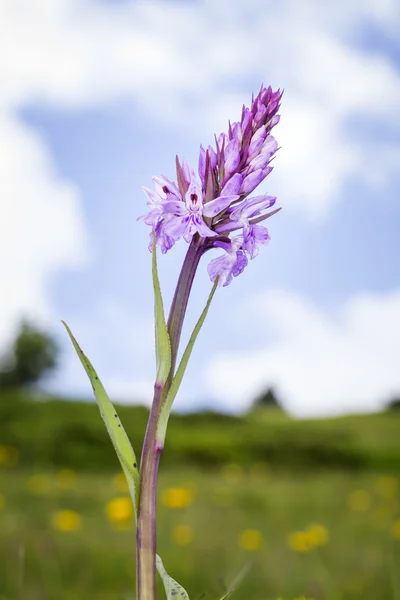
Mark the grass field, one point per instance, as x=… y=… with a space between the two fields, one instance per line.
x=311 y=508
x=335 y=535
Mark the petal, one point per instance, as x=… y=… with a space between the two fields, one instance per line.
x=164 y=186
x=237 y=132
x=270 y=145
x=239 y=264
x=188 y=172
x=213 y=157
x=254 y=235
x=232 y=186
x=254 y=205
x=152 y=196
x=176 y=226
x=260 y=133
x=274 y=121
x=260 y=115
x=254 y=148
x=176 y=207
x=252 y=181
x=201 y=227
x=246 y=118
x=261 y=234
x=260 y=161
x=194 y=195
x=232 y=161
x=222 y=267
x=228 y=227
x=213 y=208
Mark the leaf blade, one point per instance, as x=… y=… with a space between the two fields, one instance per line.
x=173 y=589
x=177 y=380
x=163 y=344
x=112 y=422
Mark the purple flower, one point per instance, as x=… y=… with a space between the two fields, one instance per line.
x=231 y=264
x=164 y=190
x=248 y=146
x=253 y=236
x=239 y=216
x=187 y=213
x=217 y=204
x=173 y=215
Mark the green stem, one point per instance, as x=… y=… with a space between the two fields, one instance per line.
x=181 y=297
x=146 y=525
x=151 y=453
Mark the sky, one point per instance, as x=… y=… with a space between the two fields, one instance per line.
x=99 y=95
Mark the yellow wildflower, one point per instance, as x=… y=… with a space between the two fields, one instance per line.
x=9 y=456
x=396 y=530
x=387 y=487
x=360 y=501
x=66 y=479
x=120 y=484
x=303 y=598
x=182 y=535
x=300 y=541
x=67 y=520
x=250 y=539
x=39 y=484
x=177 y=498
x=317 y=534
x=119 y=509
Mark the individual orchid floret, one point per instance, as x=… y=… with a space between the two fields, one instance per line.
x=254 y=236
x=186 y=215
x=241 y=216
x=164 y=190
x=231 y=264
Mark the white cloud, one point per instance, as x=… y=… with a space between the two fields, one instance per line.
x=183 y=62
x=187 y=64
x=42 y=227
x=111 y=330
x=319 y=363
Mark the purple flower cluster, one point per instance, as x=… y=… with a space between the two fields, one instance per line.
x=218 y=204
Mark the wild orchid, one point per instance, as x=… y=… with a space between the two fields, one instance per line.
x=210 y=210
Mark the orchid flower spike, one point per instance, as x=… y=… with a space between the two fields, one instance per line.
x=217 y=203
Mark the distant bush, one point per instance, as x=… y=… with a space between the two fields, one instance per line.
x=394 y=404
x=59 y=433
x=267 y=398
x=31 y=356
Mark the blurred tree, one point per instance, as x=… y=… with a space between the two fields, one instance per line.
x=394 y=404
x=32 y=354
x=267 y=398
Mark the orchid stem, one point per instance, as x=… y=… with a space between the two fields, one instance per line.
x=181 y=297
x=146 y=525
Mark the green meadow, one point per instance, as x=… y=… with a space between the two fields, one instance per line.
x=275 y=507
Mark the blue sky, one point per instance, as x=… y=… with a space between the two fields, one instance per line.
x=99 y=96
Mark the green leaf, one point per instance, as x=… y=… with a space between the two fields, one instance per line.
x=163 y=344
x=176 y=382
x=114 y=426
x=173 y=589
